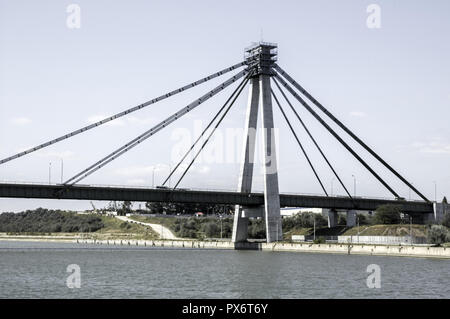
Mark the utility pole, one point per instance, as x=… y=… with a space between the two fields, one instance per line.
x=62 y=170
x=314 y=222
x=357 y=220
x=49 y=172
x=410 y=230
x=435 y=191
x=354 y=185
x=153 y=177
x=221 y=227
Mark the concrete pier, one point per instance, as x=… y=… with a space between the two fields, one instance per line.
x=240 y=225
x=351 y=218
x=332 y=218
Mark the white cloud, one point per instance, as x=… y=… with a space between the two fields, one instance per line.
x=59 y=154
x=357 y=114
x=136 y=181
x=433 y=147
x=139 y=171
x=20 y=121
x=141 y=121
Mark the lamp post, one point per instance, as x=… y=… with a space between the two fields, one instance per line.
x=354 y=185
x=435 y=191
x=332 y=180
x=62 y=170
x=50 y=173
x=314 y=223
x=153 y=176
x=410 y=230
x=220 y=226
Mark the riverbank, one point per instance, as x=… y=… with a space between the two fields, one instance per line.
x=328 y=248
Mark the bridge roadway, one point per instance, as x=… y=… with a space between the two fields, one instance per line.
x=108 y=193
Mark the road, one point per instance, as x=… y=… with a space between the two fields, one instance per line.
x=163 y=232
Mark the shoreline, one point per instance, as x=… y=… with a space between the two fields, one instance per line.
x=305 y=247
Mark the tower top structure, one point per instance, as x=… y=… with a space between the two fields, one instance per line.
x=260 y=57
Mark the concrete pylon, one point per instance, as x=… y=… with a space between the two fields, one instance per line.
x=260 y=95
x=260 y=58
x=240 y=225
x=271 y=190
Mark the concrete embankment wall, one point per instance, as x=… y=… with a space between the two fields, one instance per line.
x=381 y=250
x=383 y=240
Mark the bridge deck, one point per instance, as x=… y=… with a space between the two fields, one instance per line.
x=86 y=192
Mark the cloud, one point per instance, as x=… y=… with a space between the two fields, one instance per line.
x=20 y=121
x=433 y=147
x=59 y=154
x=141 y=121
x=139 y=171
x=136 y=181
x=358 y=114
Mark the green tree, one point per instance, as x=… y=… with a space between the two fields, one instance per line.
x=387 y=214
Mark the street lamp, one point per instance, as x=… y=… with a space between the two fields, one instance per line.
x=354 y=185
x=62 y=170
x=435 y=188
x=153 y=177
x=50 y=172
x=220 y=226
x=314 y=222
x=332 y=180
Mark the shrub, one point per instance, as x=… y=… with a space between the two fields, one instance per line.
x=446 y=220
x=438 y=235
x=49 y=221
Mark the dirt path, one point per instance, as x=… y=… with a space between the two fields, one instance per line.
x=163 y=232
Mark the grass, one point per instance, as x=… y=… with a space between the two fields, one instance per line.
x=117 y=229
x=113 y=229
x=388 y=230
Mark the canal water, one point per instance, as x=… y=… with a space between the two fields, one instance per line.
x=39 y=270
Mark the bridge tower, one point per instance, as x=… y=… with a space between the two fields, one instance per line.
x=259 y=58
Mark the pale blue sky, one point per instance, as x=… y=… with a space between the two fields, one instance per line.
x=391 y=86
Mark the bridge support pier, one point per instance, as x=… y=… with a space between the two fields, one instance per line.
x=240 y=224
x=439 y=210
x=271 y=191
x=332 y=218
x=351 y=218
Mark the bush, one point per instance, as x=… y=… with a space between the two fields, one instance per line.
x=438 y=235
x=49 y=221
x=446 y=220
x=320 y=240
x=211 y=229
x=387 y=214
x=303 y=220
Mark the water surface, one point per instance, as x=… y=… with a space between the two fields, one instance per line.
x=38 y=270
